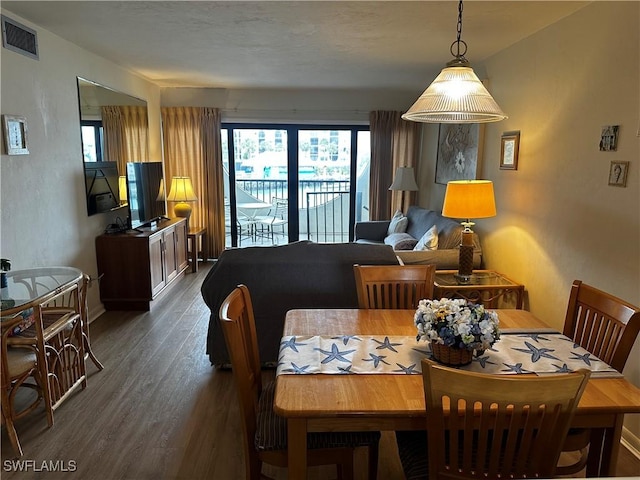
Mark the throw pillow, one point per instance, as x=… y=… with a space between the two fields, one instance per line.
x=398 y=223
x=401 y=241
x=429 y=240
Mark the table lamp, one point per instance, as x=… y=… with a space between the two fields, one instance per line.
x=468 y=199
x=404 y=180
x=181 y=191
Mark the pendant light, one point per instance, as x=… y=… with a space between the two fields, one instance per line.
x=456 y=95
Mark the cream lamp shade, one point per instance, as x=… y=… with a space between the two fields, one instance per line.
x=456 y=95
x=468 y=199
x=181 y=191
x=405 y=180
x=122 y=189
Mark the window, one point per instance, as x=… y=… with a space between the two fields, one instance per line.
x=320 y=171
x=92 y=140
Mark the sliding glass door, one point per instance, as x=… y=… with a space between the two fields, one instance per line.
x=294 y=182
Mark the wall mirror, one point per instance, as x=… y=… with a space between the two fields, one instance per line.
x=114 y=130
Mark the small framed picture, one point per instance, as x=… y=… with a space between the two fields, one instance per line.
x=509 y=150
x=618 y=174
x=15 y=134
x=609 y=138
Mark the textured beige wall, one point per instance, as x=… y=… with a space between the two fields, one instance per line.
x=43 y=213
x=558 y=219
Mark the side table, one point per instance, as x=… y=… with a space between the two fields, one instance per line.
x=488 y=287
x=197 y=246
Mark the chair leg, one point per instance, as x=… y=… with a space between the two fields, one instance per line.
x=373 y=462
x=594 y=458
x=89 y=352
x=345 y=467
x=7 y=419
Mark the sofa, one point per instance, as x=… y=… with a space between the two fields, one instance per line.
x=283 y=277
x=418 y=222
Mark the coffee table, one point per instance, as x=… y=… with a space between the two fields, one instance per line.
x=488 y=287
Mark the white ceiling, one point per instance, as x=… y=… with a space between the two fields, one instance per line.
x=302 y=44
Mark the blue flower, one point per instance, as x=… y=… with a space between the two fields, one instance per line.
x=456 y=323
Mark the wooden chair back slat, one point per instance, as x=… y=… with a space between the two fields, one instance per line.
x=497 y=426
x=393 y=286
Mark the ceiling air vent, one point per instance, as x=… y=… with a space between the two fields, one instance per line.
x=18 y=38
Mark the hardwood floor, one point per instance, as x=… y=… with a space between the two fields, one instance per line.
x=159 y=410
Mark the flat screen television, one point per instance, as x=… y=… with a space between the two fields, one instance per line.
x=101 y=181
x=145 y=193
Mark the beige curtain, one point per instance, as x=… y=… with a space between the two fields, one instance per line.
x=192 y=148
x=405 y=153
x=394 y=143
x=125 y=135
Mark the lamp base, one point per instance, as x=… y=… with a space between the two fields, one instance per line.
x=182 y=209
x=465 y=260
x=463 y=279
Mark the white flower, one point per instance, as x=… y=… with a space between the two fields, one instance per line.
x=456 y=323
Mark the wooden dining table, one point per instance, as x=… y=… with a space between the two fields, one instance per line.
x=378 y=402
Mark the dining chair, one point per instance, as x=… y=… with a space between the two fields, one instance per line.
x=245 y=226
x=264 y=432
x=393 y=286
x=17 y=365
x=277 y=217
x=58 y=340
x=490 y=426
x=84 y=306
x=607 y=327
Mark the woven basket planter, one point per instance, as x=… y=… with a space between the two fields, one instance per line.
x=451 y=356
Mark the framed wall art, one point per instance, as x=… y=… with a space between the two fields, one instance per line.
x=459 y=146
x=618 y=174
x=609 y=138
x=509 y=150
x=15 y=135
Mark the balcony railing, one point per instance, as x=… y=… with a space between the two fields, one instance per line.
x=323 y=206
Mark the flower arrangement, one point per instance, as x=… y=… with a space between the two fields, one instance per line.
x=456 y=323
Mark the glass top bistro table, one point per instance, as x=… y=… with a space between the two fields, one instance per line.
x=491 y=288
x=53 y=304
x=251 y=209
x=356 y=402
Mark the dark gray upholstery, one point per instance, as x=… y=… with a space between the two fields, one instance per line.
x=271 y=432
x=421 y=220
x=280 y=278
x=413 y=453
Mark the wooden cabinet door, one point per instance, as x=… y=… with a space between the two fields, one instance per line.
x=170 y=258
x=157 y=264
x=182 y=259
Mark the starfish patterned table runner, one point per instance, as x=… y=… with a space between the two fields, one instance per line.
x=531 y=351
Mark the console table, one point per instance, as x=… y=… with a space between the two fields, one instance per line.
x=488 y=287
x=139 y=265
